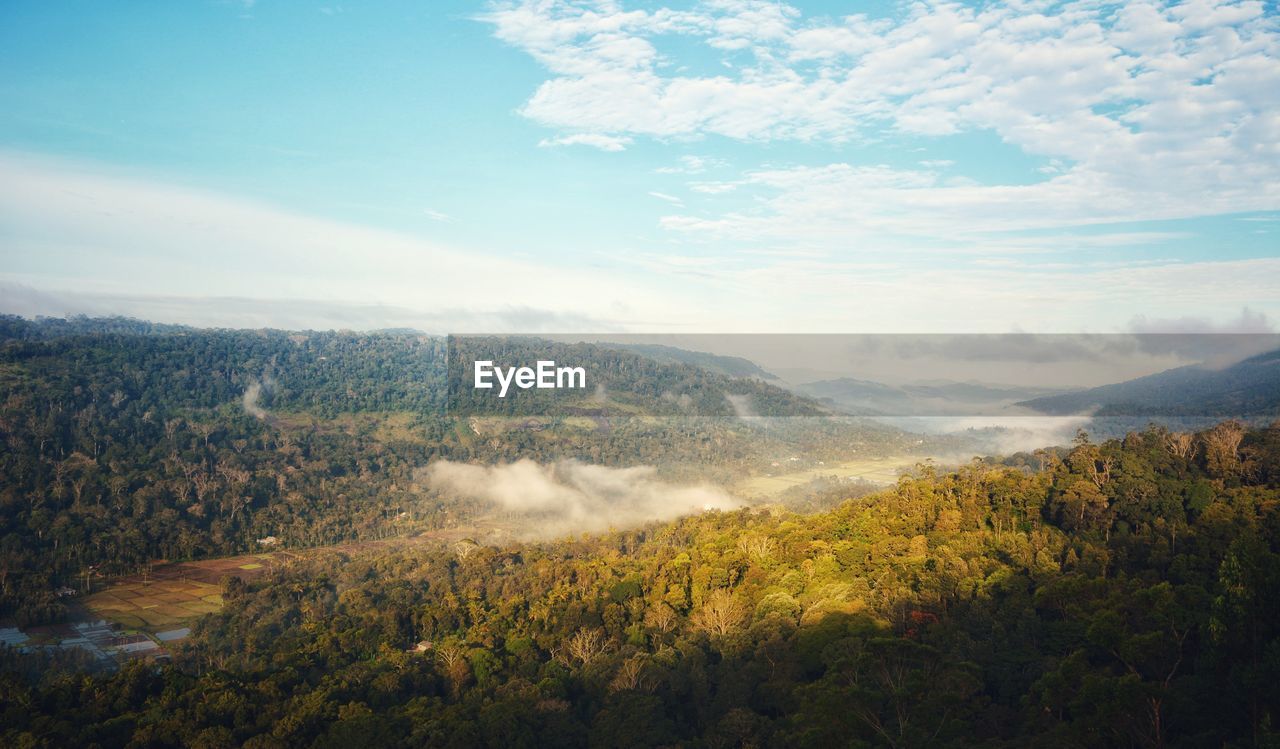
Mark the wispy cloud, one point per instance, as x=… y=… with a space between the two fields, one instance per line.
x=692 y=165
x=1248 y=323
x=295 y=314
x=84 y=238
x=669 y=198
x=93 y=231
x=602 y=141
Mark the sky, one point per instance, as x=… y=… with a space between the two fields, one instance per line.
x=694 y=167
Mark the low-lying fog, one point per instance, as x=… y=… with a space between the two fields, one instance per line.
x=999 y=436
x=991 y=435
x=571 y=497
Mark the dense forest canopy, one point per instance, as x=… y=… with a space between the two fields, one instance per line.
x=127 y=441
x=1122 y=594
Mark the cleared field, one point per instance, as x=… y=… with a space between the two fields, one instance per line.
x=171 y=595
x=154 y=606
x=876 y=470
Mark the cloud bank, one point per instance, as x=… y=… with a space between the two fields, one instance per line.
x=572 y=497
x=100 y=238
x=1138 y=111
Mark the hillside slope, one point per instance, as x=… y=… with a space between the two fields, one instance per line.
x=1247 y=388
x=1117 y=595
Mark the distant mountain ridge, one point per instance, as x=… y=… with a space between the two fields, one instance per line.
x=1248 y=388
x=870 y=398
x=730 y=366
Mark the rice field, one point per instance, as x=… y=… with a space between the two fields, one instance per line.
x=173 y=595
x=155 y=606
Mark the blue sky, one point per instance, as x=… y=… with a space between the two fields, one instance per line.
x=712 y=166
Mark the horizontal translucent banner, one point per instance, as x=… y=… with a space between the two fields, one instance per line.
x=1183 y=375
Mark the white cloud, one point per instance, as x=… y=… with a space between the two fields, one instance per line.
x=889 y=296
x=1149 y=110
x=669 y=198
x=713 y=188
x=846 y=204
x=692 y=165
x=595 y=140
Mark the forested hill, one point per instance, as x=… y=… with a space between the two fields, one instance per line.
x=328 y=373
x=125 y=441
x=1124 y=594
x=139 y=367
x=1250 y=388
